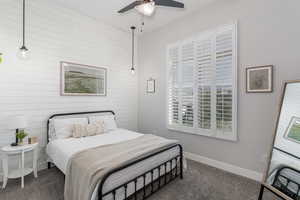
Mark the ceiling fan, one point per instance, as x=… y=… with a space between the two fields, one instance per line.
x=147 y=7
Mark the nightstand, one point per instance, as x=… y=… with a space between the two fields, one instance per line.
x=19 y=151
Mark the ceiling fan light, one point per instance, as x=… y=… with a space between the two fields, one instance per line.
x=146 y=8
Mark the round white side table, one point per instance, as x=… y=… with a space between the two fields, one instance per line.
x=22 y=171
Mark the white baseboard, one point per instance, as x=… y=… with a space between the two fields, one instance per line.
x=225 y=166
x=201 y=159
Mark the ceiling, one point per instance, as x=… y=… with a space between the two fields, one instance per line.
x=106 y=11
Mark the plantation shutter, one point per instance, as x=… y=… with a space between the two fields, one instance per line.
x=173 y=86
x=202 y=84
x=187 y=84
x=205 y=75
x=225 y=82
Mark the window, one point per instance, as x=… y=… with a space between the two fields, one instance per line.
x=201 y=75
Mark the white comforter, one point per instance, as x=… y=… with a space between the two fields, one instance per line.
x=61 y=150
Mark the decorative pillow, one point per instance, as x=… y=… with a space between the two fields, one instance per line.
x=63 y=127
x=97 y=128
x=109 y=122
x=80 y=130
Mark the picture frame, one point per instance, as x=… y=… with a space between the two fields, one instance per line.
x=259 y=79
x=82 y=80
x=151 y=85
x=292 y=132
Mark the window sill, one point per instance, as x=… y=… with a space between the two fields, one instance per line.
x=202 y=132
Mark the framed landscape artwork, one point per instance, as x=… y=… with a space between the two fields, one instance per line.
x=259 y=79
x=82 y=80
x=293 y=131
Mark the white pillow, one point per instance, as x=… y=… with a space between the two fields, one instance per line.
x=63 y=127
x=109 y=122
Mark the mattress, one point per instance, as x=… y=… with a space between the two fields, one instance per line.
x=60 y=151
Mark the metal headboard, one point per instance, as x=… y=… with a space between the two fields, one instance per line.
x=76 y=113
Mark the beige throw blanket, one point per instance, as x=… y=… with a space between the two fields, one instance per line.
x=86 y=168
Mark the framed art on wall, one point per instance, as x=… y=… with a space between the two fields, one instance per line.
x=151 y=86
x=259 y=79
x=293 y=131
x=82 y=80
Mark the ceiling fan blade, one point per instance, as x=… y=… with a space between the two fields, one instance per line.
x=130 y=6
x=169 y=3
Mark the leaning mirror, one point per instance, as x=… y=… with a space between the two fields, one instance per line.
x=283 y=175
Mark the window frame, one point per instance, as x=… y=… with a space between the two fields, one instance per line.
x=212 y=132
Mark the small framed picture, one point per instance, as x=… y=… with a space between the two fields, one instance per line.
x=151 y=86
x=293 y=130
x=259 y=79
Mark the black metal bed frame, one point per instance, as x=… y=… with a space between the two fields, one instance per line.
x=154 y=185
x=282 y=187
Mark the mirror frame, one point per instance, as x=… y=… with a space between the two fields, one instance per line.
x=265 y=177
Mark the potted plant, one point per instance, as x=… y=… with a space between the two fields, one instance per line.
x=21 y=135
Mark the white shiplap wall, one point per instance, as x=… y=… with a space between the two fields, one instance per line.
x=54 y=34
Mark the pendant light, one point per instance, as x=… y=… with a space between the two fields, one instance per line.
x=23 y=51
x=132 y=67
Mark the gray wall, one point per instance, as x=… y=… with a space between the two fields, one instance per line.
x=268 y=34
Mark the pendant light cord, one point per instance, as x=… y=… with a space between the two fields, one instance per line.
x=132 y=28
x=23 y=23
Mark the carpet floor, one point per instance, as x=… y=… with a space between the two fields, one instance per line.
x=201 y=182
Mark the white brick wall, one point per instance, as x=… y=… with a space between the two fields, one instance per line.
x=55 y=34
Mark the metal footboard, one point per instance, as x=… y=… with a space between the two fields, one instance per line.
x=148 y=189
x=155 y=184
x=283 y=182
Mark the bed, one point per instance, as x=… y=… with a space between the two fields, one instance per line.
x=282 y=176
x=138 y=179
x=287 y=181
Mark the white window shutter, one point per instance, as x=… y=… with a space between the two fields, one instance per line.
x=204 y=81
x=202 y=84
x=226 y=82
x=187 y=84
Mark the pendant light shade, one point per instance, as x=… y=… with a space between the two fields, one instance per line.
x=23 y=52
x=132 y=71
x=132 y=67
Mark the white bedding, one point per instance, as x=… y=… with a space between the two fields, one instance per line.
x=60 y=151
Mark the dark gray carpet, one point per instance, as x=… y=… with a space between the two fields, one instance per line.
x=200 y=182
